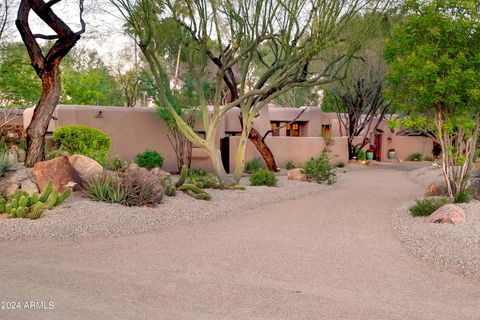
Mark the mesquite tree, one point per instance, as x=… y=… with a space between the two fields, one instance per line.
x=46 y=65
x=287 y=44
x=360 y=106
x=435 y=73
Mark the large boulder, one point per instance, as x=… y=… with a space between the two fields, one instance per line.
x=86 y=167
x=16 y=177
x=13 y=155
x=436 y=190
x=449 y=213
x=297 y=174
x=58 y=170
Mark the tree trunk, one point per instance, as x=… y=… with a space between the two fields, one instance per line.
x=263 y=149
x=51 y=88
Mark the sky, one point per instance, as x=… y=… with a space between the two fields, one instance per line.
x=104 y=30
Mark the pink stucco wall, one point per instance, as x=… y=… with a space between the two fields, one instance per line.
x=298 y=149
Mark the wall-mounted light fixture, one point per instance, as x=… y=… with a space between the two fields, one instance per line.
x=99 y=114
x=389 y=140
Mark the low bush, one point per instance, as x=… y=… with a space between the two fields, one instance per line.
x=254 y=165
x=465 y=196
x=133 y=189
x=427 y=206
x=415 y=157
x=149 y=159
x=116 y=164
x=320 y=170
x=263 y=177
x=361 y=155
x=82 y=140
x=4 y=162
x=290 y=165
x=193 y=173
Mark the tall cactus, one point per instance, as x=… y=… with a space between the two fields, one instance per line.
x=36 y=211
x=52 y=199
x=183 y=176
x=64 y=195
x=46 y=193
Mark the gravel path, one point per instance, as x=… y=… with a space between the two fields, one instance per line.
x=79 y=218
x=329 y=255
x=448 y=247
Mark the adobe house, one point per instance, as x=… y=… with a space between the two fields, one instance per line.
x=134 y=130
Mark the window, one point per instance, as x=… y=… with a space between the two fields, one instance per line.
x=233 y=133
x=275 y=128
x=326 y=130
x=293 y=129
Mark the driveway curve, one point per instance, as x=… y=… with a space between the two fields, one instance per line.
x=333 y=255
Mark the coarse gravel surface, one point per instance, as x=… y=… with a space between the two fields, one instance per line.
x=80 y=217
x=449 y=247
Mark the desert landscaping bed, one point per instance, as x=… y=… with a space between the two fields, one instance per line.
x=80 y=218
x=448 y=247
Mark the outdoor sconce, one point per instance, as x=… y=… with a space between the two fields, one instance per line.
x=99 y=114
x=389 y=140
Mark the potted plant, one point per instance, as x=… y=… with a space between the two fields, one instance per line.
x=391 y=154
x=370 y=153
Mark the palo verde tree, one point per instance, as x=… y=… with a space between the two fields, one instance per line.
x=297 y=43
x=435 y=73
x=5 y=10
x=46 y=66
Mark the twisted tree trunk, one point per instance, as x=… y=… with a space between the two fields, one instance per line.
x=46 y=66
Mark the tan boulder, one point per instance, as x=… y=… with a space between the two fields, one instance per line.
x=22 y=155
x=86 y=167
x=29 y=186
x=448 y=213
x=297 y=174
x=58 y=170
x=12 y=189
x=435 y=190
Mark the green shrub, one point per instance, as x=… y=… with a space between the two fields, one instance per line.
x=82 y=140
x=116 y=164
x=149 y=159
x=290 y=165
x=427 y=206
x=254 y=165
x=263 y=177
x=465 y=196
x=194 y=173
x=320 y=170
x=361 y=155
x=415 y=157
x=4 y=163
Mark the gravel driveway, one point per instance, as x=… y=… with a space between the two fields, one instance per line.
x=331 y=255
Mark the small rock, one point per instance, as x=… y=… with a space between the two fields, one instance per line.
x=435 y=190
x=297 y=174
x=159 y=172
x=58 y=170
x=86 y=167
x=448 y=213
x=13 y=155
x=29 y=186
x=22 y=155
